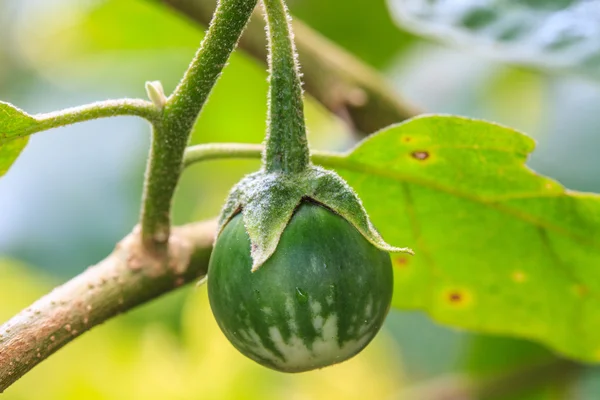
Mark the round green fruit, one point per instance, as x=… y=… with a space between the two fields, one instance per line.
x=318 y=300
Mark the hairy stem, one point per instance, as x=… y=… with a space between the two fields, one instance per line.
x=126 y=278
x=171 y=133
x=215 y=151
x=286 y=146
x=101 y=109
x=334 y=77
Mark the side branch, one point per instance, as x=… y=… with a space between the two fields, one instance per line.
x=100 y=109
x=220 y=151
x=128 y=277
x=336 y=78
x=73 y=115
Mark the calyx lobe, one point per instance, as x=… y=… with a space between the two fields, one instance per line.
x=267 y=201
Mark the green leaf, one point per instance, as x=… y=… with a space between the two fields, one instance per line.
x=499 y=249
x=9 y=153
x=556 y=34
x=14 y=123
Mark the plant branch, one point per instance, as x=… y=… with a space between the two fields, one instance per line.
x=215 y=151
x=171 y=133
x=100 y=109
x=336 y=78
x=126 y=278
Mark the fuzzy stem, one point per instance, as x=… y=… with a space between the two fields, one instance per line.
x=171 y=133
x=101 y=109
x=221 y=151
x=286 y=144
x=88 y=112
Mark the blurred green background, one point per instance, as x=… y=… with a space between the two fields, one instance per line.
x=74 y=192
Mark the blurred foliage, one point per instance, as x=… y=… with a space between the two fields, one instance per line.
x=556 y=34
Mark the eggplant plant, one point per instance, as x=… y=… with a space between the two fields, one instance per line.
x=307 y=256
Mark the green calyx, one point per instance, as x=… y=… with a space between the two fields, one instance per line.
x=268 y=199
x=267 y=202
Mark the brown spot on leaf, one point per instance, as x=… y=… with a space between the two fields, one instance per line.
x=406 y=139
x=455 y=297
x=458 y=297
x=400 y=262
x=420 y=155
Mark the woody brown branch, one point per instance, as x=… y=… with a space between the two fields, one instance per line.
x=126 y=278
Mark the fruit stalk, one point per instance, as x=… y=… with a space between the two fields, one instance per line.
x=286 y=147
